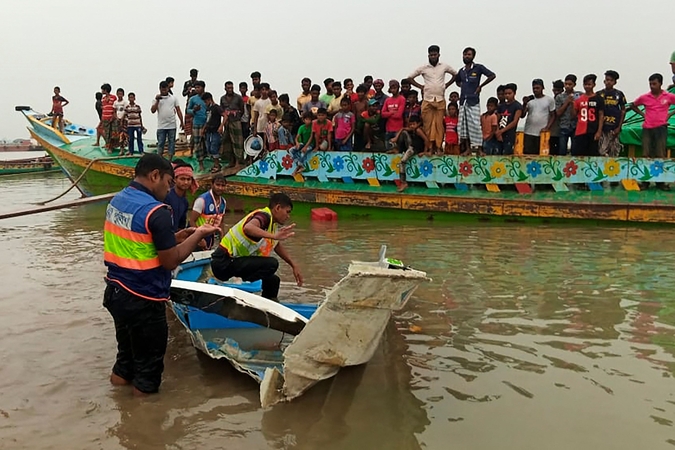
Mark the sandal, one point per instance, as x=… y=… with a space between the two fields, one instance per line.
x=215 y=169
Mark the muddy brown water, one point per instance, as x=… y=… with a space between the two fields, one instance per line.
x=529 y=337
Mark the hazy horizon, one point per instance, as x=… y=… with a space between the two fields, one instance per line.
x=62 y=44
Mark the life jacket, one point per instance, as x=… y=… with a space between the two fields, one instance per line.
x=129 y=252
x=238 y=244
x=211 y=214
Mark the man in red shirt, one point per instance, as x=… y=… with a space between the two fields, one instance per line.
x=108 y=118
x=392 y=111
x=590 y=111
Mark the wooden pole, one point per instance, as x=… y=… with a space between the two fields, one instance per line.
x=71 y=204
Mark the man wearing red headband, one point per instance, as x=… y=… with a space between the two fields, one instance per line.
x=177 y=196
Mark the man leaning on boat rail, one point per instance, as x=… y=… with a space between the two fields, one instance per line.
x=140 y=251
x=246 y=249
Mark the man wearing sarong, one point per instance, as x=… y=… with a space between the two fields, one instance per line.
x=232 y=105
x=469 y=80
x=433 y=104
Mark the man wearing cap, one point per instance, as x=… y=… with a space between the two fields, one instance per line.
x=433 y=104
x=379 y=95
x=539 y=114
x=140 y=251
x=469 y=81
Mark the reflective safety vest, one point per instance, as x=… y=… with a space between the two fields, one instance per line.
x=238 y=244
x=211 y=213
x=129 y=252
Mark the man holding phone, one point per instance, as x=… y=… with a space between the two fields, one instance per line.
x=166 y=106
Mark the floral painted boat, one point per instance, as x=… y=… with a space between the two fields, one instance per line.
x=441 y=187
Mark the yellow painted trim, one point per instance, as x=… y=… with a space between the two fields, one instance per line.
x=58 y=132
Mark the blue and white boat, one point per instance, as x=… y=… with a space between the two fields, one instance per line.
x=289 y=347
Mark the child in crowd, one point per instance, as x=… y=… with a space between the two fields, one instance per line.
x=509 y=114
x=415 y=141
x=303 y=143
x=120 y=107
x=500 y=95
x=412 y=107
x=135 y=128
x=246 y=116
x=271 y=137
x=359 y=107
x=454 y=98
x=58 y=103
x=345 y=123
x=489 y=124
x=451 y=137
x=285 y=133
x=369 y=122
x=99 y=111
x=322 y=129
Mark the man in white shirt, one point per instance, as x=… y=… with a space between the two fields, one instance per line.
x=433 y=102
x=166 y=106
x=539 y=113
x=259 y=113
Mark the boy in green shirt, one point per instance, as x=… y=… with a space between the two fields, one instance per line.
x=303 y=143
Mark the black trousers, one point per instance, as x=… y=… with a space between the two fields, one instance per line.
x=248 y=268
x=142 y=332
x=531 y=145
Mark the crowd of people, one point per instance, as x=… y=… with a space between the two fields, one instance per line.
x=412 y=117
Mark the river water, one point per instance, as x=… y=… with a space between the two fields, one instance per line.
x=529 y=337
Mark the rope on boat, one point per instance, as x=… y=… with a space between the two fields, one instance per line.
x=84 y=172
x=45 y=208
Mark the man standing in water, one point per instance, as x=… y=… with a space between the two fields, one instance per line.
x=140 y=251
x=246 y=249
x=433 y=104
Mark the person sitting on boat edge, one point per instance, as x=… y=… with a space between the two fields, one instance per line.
x=177 y=196
x=140 y=251
x=209 y=208
x=246 y=249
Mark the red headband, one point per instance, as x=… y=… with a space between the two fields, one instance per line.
x=185 y=170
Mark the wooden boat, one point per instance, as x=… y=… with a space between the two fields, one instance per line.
x=442 y=187
x=289 y=347
x=43 y=164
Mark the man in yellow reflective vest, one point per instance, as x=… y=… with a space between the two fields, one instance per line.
x=140 y=251
x=245 y=250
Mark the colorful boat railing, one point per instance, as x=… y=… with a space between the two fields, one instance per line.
x=466 y=169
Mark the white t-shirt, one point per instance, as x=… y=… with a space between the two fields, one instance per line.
x=260 y=106
x=119 y=106
x=166 y=112
x=538 y=113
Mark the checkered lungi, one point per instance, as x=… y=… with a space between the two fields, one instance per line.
x=198 y=142
x=187 y=126
x=468 y=125
x=233 y=140
x=609 y=144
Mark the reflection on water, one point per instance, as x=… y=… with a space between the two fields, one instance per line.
x=529 y=337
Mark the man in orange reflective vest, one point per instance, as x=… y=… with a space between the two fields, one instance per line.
x=140 y=251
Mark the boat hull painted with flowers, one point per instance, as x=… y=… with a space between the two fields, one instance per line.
x=441 y=187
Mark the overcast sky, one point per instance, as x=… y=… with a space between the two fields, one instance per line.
x=80 y=44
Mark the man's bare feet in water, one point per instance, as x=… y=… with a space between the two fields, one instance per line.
x=117 y=380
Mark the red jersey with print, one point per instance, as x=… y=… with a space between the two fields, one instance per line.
x=451 y=136
x=322 y=130
x=588 y=109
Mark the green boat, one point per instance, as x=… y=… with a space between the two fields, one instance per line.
x=364 y=185
x=43 y=164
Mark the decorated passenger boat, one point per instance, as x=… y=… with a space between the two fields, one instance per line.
x=289 y=347
x=441 y=187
